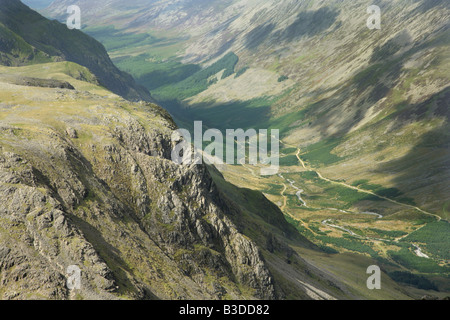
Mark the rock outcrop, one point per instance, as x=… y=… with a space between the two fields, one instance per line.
x=97 y=189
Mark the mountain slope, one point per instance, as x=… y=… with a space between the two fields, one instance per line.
x=310 y=68
x=90 y=185
x=363 y=114
x=85 y=180
x=27 y=37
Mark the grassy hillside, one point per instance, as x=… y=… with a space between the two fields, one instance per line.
x=30 y=38
x=363 y=114
x=68 y=142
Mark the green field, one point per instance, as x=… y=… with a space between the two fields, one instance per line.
x=389 y=234
x=409 y=260
x=411 y=279
x=321 y=153
x=113 y=39
x=197 y=82
x=351 y=244
x=435 y=237
x=384 y=192
x=329 y=195
x=154 y=73
x=291 y=160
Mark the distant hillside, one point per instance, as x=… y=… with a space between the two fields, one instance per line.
x=361 y=104
x=37 y=4
x=86 y=180
x=27 y=38
x=86 y=177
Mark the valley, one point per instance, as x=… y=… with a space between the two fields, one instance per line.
x=343 y=188
x=341 y=217
x=365 y=140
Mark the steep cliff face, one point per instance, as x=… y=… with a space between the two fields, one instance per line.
x=87 y=181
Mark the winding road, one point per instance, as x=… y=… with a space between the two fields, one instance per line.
x=359 y=189
x=328 y=223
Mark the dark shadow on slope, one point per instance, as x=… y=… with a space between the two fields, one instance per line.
x=222 y=36
x=109 y=253
x=112 y=258
x=391 y=47
x=232 y=115
x=256 y=212
x=307 y=23
x=351 y=102
x=310 y=23
x=372 y=84
x=428 y=5
x=222 y=27
x=427 y=165
x=437 y=105
x=223 y=48
x=376 y=76
x=258 y=35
